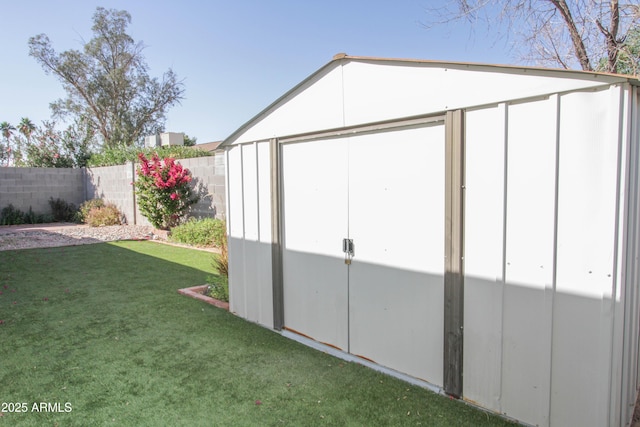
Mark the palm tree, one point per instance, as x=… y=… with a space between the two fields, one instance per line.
x=26 y=127
x=7 y=130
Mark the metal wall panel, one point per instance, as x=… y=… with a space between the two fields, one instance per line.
x=484 y=241
x=250 y=191
x=556 y=344
x=375 y=91
x=316 y=105
x=396 y=221
x=527 y=297
x=250 y=252
x=315 y=202
x=264 y=292
x=585 y=302
x=264 y=192
x=235 y=225
x=251 y=246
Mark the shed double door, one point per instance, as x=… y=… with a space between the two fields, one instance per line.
x=385 y=192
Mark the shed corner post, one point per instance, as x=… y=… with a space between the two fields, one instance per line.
x=454 y=253
x=276 y=236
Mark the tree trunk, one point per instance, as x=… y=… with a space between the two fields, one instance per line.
x=578 y=43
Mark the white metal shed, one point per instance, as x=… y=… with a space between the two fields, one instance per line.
x=472 y=226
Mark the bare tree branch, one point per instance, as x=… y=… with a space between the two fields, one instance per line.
x=583 y=34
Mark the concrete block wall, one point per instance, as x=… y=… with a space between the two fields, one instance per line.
x=208 y=181
x=114 y=184
x=32 y=187
x=26 y=188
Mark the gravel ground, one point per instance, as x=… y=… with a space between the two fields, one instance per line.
x=53 y=235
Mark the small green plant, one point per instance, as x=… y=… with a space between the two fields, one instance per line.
x=62 y=211
x=83 y=211
x=219 y=285
x=104 y=215
x=10 y=215
x=218 y=288
x=198 y=232
x=30 y=217
x=221 y=261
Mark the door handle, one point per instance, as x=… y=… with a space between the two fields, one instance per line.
x=347 y=248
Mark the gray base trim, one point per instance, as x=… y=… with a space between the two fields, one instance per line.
x=355 y=359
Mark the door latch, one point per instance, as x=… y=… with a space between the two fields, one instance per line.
x=347 y=248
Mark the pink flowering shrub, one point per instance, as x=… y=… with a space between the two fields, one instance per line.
x=163 y=190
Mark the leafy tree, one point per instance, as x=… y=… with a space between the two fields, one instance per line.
x=565 y=33
x=107 y=83
x=189 y=142
x=629 y=56
x=78 y=141
x=45 y=150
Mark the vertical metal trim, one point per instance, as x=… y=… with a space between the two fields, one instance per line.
x=227 y=193
x=623 y=244
x=276 y=236
x=228 y=219
x=503 y=267
x=244 y=233
x=257 y=183
x=634 y=141
x=554 y=272
x=454 y=253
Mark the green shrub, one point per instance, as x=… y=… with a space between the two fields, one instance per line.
x=201 y=232
x=11 y=215
x=104 y=215
x=83 y=211
x=30 y=217
x=218 y=288
x=44 y=218
x=62 y=211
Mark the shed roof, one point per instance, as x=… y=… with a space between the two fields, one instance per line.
x=590 y=79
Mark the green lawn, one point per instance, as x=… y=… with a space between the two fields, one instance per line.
x=99 y=331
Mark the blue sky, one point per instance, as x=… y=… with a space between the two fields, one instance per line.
x=235 y=56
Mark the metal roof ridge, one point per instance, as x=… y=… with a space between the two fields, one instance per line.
x=340 y=56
